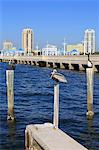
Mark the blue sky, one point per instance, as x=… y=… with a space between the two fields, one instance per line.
x=51 y=20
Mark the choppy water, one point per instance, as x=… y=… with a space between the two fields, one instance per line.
x=34 y=104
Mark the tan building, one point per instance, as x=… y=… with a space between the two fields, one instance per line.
x=79 y=47
x=27 y=40
x=7 y=45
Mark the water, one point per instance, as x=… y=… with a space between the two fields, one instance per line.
x=34 y=104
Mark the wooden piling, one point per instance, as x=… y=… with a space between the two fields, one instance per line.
x=90 y=74
x=10 y=93
x=56 y=105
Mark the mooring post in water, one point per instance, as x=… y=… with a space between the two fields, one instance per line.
x=90 y=74
x=57 y=77
x=56 y=104
x=10 y=92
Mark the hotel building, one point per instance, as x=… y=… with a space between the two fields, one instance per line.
x=27 y=40
x=89 y=41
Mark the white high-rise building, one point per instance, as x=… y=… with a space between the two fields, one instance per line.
x=89 y=41
x=7 y=45
x=27 y=40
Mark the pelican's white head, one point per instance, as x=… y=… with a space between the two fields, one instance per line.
x=54 y=71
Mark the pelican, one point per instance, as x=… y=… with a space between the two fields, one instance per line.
x=58 y=77
x=89 y=64
x=11 y=66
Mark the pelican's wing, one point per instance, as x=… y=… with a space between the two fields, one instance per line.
x=60 y=77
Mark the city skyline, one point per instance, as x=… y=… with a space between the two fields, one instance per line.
x=50 y=20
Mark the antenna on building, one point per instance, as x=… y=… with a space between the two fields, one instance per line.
x=64 y=44
x=37 y=46
x=47 y=44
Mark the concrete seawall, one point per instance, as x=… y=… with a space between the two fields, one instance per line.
x=64 y=62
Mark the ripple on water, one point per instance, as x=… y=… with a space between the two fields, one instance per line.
x=34 y=104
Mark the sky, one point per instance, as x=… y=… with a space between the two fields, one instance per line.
x=51 y=20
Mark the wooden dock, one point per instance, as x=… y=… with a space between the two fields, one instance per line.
x=48 y=137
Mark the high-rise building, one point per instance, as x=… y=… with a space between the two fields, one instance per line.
x=7 y=45
x=27 y=40
x=89 y=41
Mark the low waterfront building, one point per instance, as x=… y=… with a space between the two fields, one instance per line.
x=50 y=50
x=7 y=45
x=18 y=52
x=75 y=48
